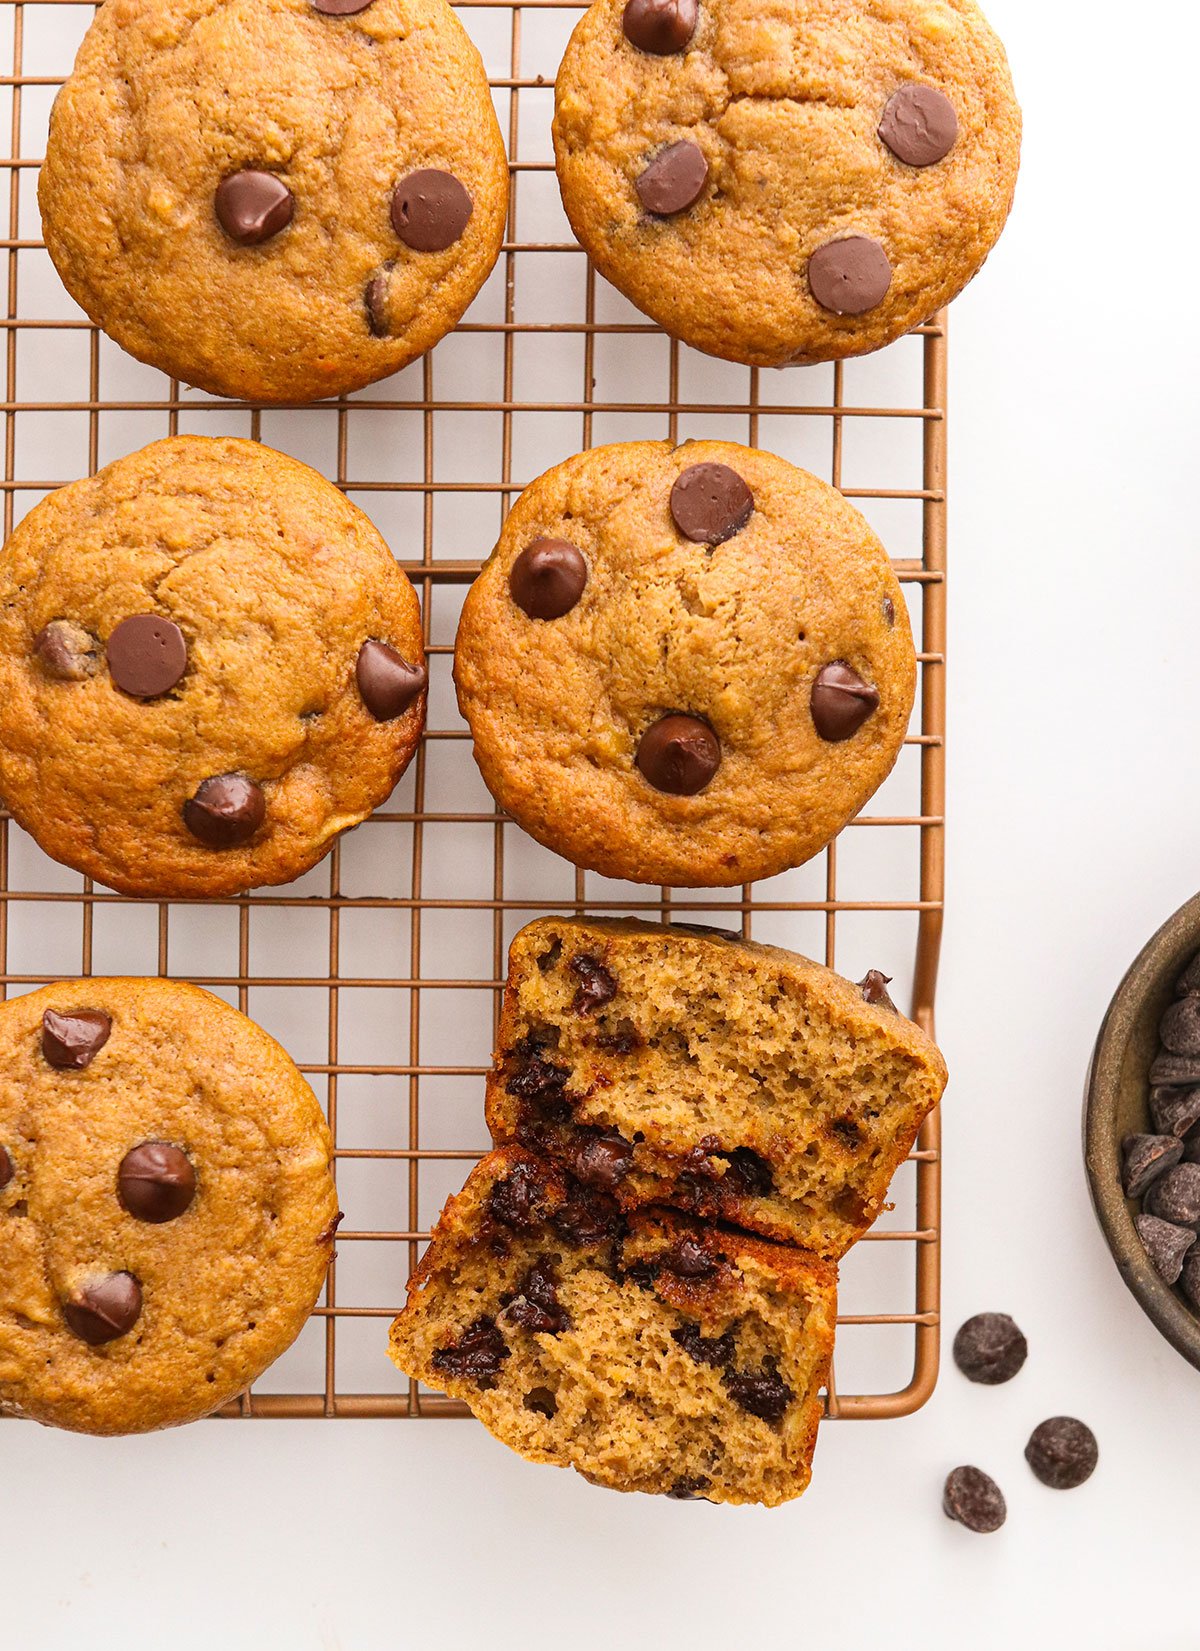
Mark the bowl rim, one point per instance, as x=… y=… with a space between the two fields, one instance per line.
x=1178 y=936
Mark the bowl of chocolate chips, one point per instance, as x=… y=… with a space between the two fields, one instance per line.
x=1141 y=1129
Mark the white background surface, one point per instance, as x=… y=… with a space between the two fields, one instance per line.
x=1073 y=803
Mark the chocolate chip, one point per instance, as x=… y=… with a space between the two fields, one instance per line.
x=1175 y=1111
x=7 y=1171
x=714 y=1350
x=104 y=1309
x=689 y=1258
x=548 y=578
x=72 y=1041
x=156 y=1182
x=1062 y=1452
x=974 y=1500
x=688 y=1490
x=678 y=754
x=1189 y=980
x=662 y=27
x=226 y=810
x=375 y=300
x=1166 y=1245
x=1179 y=1028
x=539 y=1081
x=588 y=1218
x=1189 y=1277
x=387 y=682
x=841 y=702
x=147 y=655
x=1175 y=1070
x=764 y=1394
x=989 y=1348
x=596 y=985
x=600 y=1160
x=516 y=1201
x=874 y=988
x=919 y=124
x=340 y=8
x=622 y=1040
x=674 y=179
x=430 y=210
x=541 y=1401
x=889 y=612
x=710 y=503
x=1175 y=1196
x=749 y=1173
x=328 y=1232
x=477 y=1354
x=1145 y=1157
x=850 y=276
x=66 y=651
x=253 y=206
x=536 y=1306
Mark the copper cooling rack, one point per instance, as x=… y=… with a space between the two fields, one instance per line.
x=381 y=969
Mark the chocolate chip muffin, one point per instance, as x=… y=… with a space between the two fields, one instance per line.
x=685 y=665
x=166 y=1205
x=210 y=664
x=275 y=199
x=735 y=1081
x=791 y=185
x=650 y=1354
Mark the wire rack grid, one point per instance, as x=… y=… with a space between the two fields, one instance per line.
x=381 y=969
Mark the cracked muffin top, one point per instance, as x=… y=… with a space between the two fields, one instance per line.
x=787 y=182
x=685 y=665
x=210 y=664
x=276 y=200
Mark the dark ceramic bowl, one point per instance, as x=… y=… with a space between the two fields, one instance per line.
x=1117 y=1105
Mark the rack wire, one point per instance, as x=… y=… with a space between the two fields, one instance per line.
x=381 y=970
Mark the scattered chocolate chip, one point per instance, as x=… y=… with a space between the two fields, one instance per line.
x=674 y=179
x=596 y=984
x=375 y=302
x=622 y=1040
x=253 y=206
x=1189 y=1277
x=919 y=124
x=1189 y=980
x=714 y=1350
x=72 y=1041
x=548 y=578
x=1062 y=1452
x=536 y=1306
x=7 y=1171
x=1175 y=1196
x=874 y=988
x=1175 y=1111
x=1175 y=1070
x=849 y=276
x=689 y=1258
x=387 y=682
x=841 y=702
x=588 y=1217
x=710 y=503
x=688 y=1490
x=889 y=612
x=477 y=1354
x=104 y=1309
x=662 y=27
x=1147 y=1156
x=1179 y=1029
x=1166 y=1245
x=534 y=1079
x=226 y=810
x=764 y=1394
x=749 y=1173
x=678 y=754
x=156 y=1182
x=66 y=651
x=698 y=1163
x=541 y=1401
x=989 y=1348
x=430 y=210
x=974 y=1500
x=517 y=1200
x=340 y=8
x=147 y=655
x=600 y=1160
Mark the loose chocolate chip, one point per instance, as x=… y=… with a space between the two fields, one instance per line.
x=536 y=1306
x=375 y=297
x=596 y=985
x=662 y=27
x=515 y=1202
x=688 y=1490
x=156 y=1182
x=749 y=1173
x=548 y=578
x=1175 y=1111
x=889 y=612
x=340 y=8
x=387 y=682
x=226 y=810
x=1175 y=1196
x=1147 y=1156
x=841 y=702
x=1062 y=1452
x=874 y=988
x=1166 y=1245
x=147 y=655
x=974 y=1500
x=674 y=179
x=714 y=1350
x=710 y=503
x=541 y=1401
x=919 y=124
x=1175 y=1070
x=66 y=651
x=690 y=1259
x=430 y=210
x=7 y=1170
x=1189 y=980
x=1179 y=1028
x=104 y=1309
x=588 y=1218
x=1189 y=1277
x=850 y=276
x=989 y=1348
x=71 y=1042
x=328 y=1232
x=253 y=206
x=477 y=1354
x=678 y=754
x=764 y=1394
x=601 y=1160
